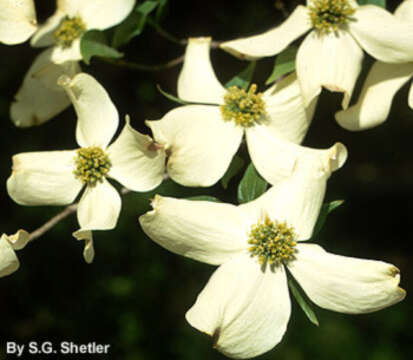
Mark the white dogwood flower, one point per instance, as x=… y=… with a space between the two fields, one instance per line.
x=202 y=139
x=72 y=19
x=245 y=306
x=382 y=83
x=57 y=177
x=331 y=54
x=40 y=98
x=9 y=262
x=17 y=21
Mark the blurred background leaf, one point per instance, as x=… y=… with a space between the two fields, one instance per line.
x=381 y=3
x=94 y=43
x=252 y=185
x=284 y=64
x=134 y=23
x=243 y=79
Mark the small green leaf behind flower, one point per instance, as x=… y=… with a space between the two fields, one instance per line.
x=234 y=168
x=179 y=100
x=284 y=64
x=160 y=11
x=172 y=97
x=243 y=79
x=134 y=23
x=302 y=300
x=381 y=3
x=252 y=185
x=326 y=209
x=94 y=43
x=295 y=288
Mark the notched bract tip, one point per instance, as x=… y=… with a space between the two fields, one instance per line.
x=402 y=292
x=20 y=239
x=393 y=271
x=63 y=81
x=154 y=146
x=15 y=163
x=202 y=39
x=155 y=201
x=215 y=337
x=336 y=157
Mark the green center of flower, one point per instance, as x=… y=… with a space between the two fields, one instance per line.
x=244 y=108
x=92 y=165
x=69 y=30
x=272 y=242
x=329 y=15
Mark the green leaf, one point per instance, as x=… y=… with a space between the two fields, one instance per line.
x=243 y=79
x=234 y=168
x=204 y=198
x=326 y=209
x=284 y=64
x=251 y=186
x=381 y=3
x=304 y=304
x=134 y=23
x=94 y=43
x=179 y=100
x=172 y=97
x=160 y=10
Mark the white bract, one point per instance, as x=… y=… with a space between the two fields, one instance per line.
x=40 y=98
x=57 y=177
x=72 y=19
x=331 y=54
x=9 y=262
x=202 y=139
x=245 y=306
x=17 y=21
x=382 y=83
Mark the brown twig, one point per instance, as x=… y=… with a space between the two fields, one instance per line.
x=68 y=210
x=142 y=67
x=53 y=221
x=161 y=31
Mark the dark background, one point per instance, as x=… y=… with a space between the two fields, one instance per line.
x=135 y=294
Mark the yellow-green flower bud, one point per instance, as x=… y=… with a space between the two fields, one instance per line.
x=69 y=30
x=92 y=165
x=329 y=15
x=245 y=108
x=272 y=242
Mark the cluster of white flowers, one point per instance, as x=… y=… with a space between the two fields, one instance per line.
x=245 y=306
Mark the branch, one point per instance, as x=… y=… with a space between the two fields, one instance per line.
x=164 y=33
x=161 y=31
x=142 y=67
x=59 y=217
x=53 y=221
